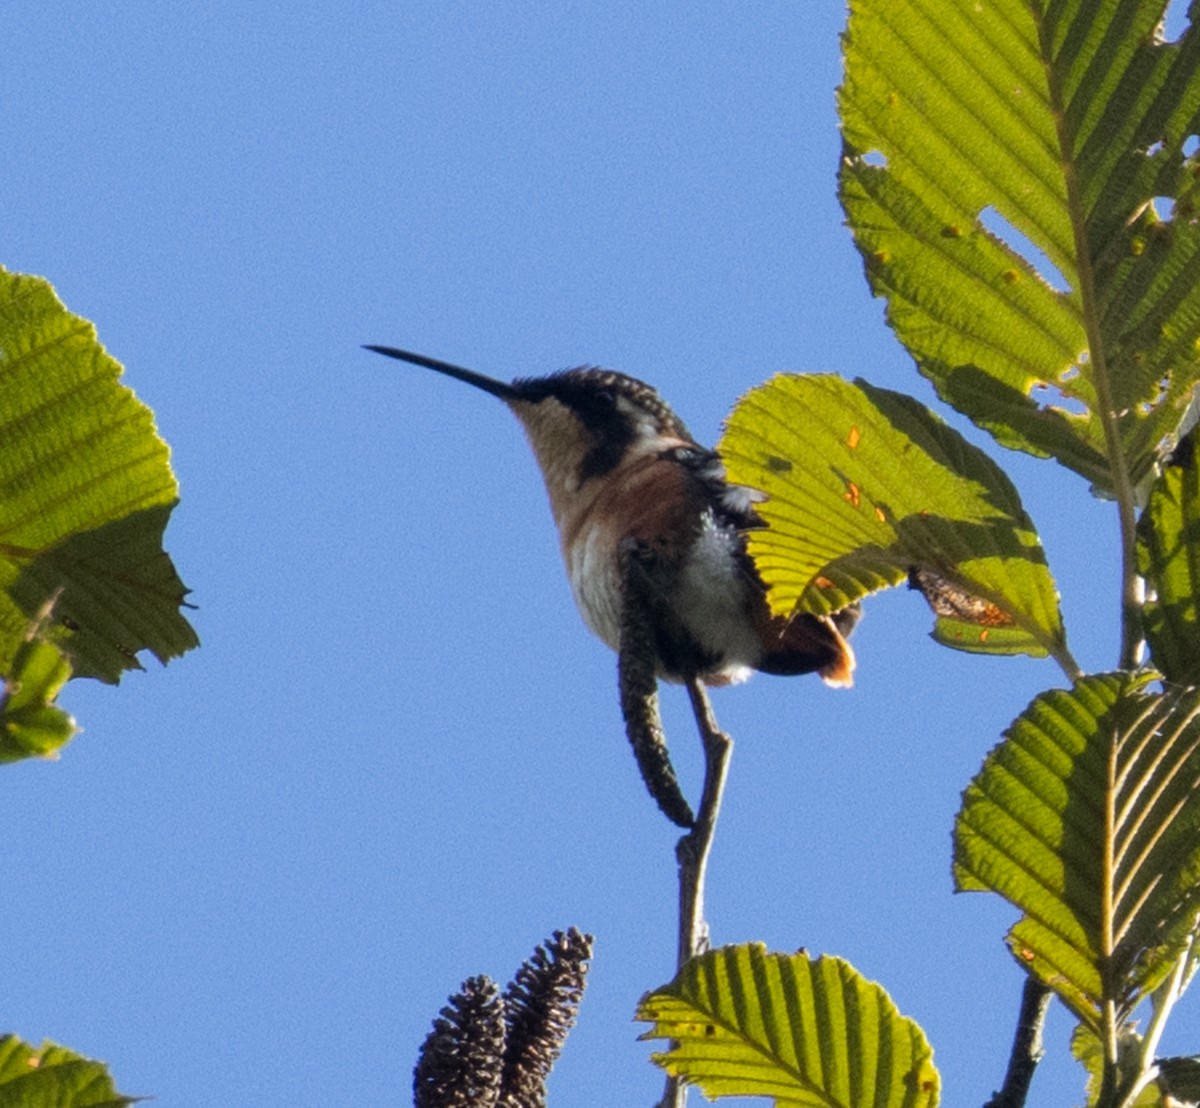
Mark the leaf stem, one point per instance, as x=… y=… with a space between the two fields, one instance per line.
x=1131 y=589
x=1097 y=354
x=1123 y=490
x=1165 y=1000
x=1070 y=667
x=692 y=850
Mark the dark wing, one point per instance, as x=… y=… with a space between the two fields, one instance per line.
x=793 y=645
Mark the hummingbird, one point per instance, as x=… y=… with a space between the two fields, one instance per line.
x=654 y=540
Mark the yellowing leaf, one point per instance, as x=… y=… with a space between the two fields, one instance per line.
x=866 y=488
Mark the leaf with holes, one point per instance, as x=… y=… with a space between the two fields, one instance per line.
x=991 y=150
x=53 y=1076
x=1087 y=818
x=806 y=1031
x=85 y=492
x=866 y=488
x=1168 y=548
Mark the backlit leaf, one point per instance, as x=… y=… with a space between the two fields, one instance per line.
x=1180 y=1077
x=1168 y=556
x=85 y=493
x=866 y=488
x=804 y=1031
x=52 y=1076
x=1087 y=818
x=1016 y=180
x=1089 y=1051
x=31 y=724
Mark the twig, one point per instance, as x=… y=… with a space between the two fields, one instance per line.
x=674 y=1095
x=1027 y=1048
x=692 y=850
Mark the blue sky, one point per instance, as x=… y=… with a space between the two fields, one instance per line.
x=397 y=760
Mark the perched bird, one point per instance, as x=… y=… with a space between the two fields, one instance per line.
x=653 y=539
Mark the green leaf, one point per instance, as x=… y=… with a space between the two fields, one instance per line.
x=1087 y=818
x=1168 y=557
x=1066 y=122
x=31 y=724
x=804 y=1031
x=1180 y=1077
x=1089 y=1052
x=52 y=1076
x=866 y=488
x=85 y=493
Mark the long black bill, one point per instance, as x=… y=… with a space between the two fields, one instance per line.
x=489 y=384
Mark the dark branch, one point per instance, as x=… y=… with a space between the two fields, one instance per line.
x=1027 y=1048
x=693 y=849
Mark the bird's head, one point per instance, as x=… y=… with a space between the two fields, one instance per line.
x=581 y=422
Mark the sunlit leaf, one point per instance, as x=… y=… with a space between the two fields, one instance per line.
x=1087 y=818
x=52 y=1076
x=1089 y=1052
x=31 y=724
x=866 y=488
x=85 y=493
x=1015 y=178
x=804 y=1031
x=1168 y=554
x=1180 y=1077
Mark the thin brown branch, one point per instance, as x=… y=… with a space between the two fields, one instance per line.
x=693 y=849
x=1027 y=1048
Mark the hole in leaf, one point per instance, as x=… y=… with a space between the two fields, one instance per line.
x=1155 y=148
x=1163 y=207
x=995 y=224
x=1190 y=145
x=1047 y=396
x=875 y=159
x=1174 y=21
x=1148 y=406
